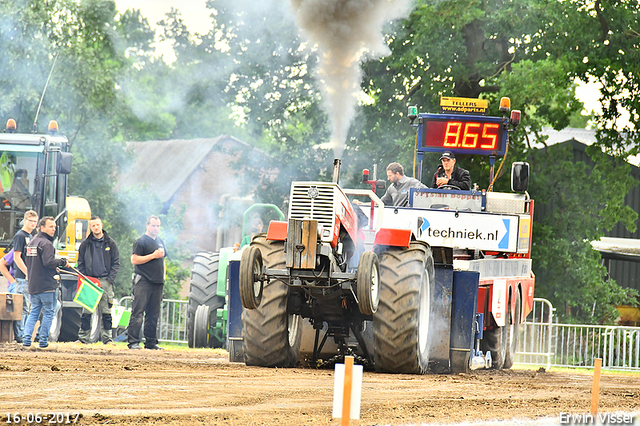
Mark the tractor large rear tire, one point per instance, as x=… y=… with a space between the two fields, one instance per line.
x=402 y=326
x=513 y=334
x=271 y=336
x=69 y=324
x=202 y=291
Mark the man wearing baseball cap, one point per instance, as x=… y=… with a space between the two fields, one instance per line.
x=448 y=174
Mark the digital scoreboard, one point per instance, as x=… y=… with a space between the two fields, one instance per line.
x=462 y=134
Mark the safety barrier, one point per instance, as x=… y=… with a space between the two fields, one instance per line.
x=172 y=322
x=580 y=345
x=543 y=342
x=622 y=348
x=536 y=339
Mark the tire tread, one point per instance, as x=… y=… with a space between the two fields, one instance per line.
x=396 y=327
x=264 y=329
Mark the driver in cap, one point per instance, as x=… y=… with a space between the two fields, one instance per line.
x=450 y=176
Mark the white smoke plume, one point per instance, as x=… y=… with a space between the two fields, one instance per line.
x=346 y=32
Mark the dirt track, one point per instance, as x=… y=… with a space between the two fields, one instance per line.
x=200 y=387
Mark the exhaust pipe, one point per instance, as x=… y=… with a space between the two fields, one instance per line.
x=336 y=170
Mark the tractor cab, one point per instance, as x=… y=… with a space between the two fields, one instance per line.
x=34 y=171
x=34 y=175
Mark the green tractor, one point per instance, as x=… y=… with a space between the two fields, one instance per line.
x=207 y=311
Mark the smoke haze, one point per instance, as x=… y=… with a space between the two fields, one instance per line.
x=346 y=32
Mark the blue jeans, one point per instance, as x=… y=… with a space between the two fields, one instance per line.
x=20 y=287
x=55 y=312
x=40 y=302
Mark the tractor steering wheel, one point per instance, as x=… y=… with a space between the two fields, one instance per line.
x=449 y=187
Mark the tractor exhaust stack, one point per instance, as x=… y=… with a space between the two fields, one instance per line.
x=336 y=170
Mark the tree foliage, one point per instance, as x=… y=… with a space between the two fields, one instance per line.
x=530 y=51
x=580 y=203
x=94 y=49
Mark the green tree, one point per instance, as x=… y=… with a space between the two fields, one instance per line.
x=533 y=52
x=254 y=69
x=96 y=51
x=580 y=204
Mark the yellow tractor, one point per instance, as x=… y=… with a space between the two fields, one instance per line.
x=34 y=172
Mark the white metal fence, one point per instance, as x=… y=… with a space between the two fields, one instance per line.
x=545 y=342
x=535 y=345
x=172 y=322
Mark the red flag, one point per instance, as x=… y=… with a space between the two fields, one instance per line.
x=93 y=280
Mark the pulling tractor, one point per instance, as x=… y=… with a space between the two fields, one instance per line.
x=440 y=285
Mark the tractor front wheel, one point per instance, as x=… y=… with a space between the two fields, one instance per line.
x=251 y=286
x=271 y=335
x=202 y=325
x=368 y=283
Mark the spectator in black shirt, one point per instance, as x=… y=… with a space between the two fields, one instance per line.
x=148 y=285
x=19 y=283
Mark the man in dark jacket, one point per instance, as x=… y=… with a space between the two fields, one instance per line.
x=450 y=174
x=42 y=263
x=98 y=257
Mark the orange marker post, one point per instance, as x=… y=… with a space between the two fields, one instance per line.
x=595 y=390
x=346 y=395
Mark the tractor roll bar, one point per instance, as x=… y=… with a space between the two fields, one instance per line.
x=375 y=199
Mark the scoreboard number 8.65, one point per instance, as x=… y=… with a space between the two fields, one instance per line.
x=472 y=135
